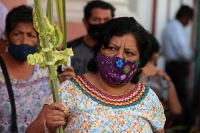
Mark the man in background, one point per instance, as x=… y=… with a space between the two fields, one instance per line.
x=178 y=55
x=96 y=12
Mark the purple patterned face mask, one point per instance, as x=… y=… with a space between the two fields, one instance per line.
x=115 y=70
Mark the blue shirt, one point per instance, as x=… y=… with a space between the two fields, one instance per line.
x=175 y=45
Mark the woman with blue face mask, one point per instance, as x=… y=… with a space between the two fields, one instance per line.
x=110 y=97
x=22 y=99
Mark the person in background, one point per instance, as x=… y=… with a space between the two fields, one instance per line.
x=110 y=97
x=96 y=12
x=29 y=84
x=178 y=56
x=3 y=13
x=161 y=84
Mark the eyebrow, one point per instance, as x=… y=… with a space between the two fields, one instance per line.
x=114 y=44
x=107 y=18
x=31 y=33
x=125 y=48
x=24 y=32
x=130 y=49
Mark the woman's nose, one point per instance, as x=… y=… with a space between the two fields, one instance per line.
x=25 y=39
x=120 y=54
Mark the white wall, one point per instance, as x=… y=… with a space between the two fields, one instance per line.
x=143 y=9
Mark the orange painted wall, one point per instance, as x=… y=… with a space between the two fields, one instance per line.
x=12 y=3
x=75 y=30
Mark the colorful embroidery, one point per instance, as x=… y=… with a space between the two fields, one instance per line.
x=133 y=97
x=87 y=114
x=115 y=70
x=127 y=69
x=119 y=63
x=30 y=95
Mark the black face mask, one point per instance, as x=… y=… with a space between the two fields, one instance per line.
x=20 y=52
x=93 y=30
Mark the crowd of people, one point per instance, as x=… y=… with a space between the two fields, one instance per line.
x=112 y=85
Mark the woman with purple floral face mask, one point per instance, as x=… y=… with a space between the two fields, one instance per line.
x=110 y=98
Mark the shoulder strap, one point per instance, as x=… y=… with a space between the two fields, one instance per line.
x=11 y=96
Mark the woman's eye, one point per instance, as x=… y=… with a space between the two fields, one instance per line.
x=111 y=48
x=129 y=53
x=31 y=36
x=95 y=19
x=17 y=34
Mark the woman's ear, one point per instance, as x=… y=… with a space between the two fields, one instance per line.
x=6 y=38
x=154 y=58
x=6 y=35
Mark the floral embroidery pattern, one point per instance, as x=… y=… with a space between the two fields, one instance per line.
x=133 y=97
x=119 y=63
x=115 y=70
x=127 y=69
x=30 y=95
x=87 y=114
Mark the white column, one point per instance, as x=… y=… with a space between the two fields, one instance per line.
x=122 y=8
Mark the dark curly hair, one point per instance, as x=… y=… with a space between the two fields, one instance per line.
x=185 y=11
x=18 y=14
x=119 y=27
x=155 y=46
x=97 y=4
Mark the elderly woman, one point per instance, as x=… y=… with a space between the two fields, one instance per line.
x=23 y=88
x=110 y=98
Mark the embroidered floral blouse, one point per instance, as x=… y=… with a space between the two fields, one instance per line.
x=90 y=110
x=29 y=94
